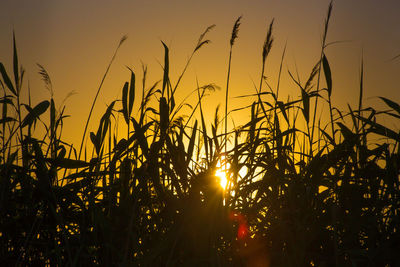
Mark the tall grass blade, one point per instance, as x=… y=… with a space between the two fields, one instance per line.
x=192 y=140
x=306 y=104
x=16 y=66
x=166 y=68
x=234 y=35
x=125 y=102
x=328 y=75
x=97 y=94
x=7 y=80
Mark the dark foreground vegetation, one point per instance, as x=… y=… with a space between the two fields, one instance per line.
x=302 y=190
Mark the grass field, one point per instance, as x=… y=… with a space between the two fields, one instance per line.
x=305 y=186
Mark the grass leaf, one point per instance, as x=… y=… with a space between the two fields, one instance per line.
x=131 y=92
x=6 y=79
x=166 y=67
x=34 y=113
x=392 y=104
x=328 y=76
x=306 y=104
x=125 y=111
x=15 y=64
x=68 y=163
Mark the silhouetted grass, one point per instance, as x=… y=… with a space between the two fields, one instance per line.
x=301 y=191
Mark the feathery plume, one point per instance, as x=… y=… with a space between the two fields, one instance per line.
x=268 y=42
x=46 y=78
x=235 y=30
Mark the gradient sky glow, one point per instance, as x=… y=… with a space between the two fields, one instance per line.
x=74 y=40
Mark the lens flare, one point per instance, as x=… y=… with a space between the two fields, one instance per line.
x=243 y=231
x=243 y=228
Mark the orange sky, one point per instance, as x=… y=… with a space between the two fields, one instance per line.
x=74 y=41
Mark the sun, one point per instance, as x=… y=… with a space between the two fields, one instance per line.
x=223 y=181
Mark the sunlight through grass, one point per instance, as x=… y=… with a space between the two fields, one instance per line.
x=223 y=181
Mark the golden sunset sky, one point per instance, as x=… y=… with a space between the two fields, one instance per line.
x=74 y=40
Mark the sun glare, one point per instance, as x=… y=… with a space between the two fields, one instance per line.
x=222 y=178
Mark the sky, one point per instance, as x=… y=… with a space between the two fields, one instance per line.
x=74 y=41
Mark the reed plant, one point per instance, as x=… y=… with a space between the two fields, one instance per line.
x=301 y=191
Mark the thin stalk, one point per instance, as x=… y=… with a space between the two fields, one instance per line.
x=235 y=31
x=277 y=94
x=24 y=163
x=199 y=44
x=97 y=94
x=280 y=71
x=4 y=114
x=360 y=98
x=226 y=98
x=266 y=49
x=319 y=73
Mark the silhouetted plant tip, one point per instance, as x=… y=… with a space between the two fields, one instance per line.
x=268 y=42
x=123 y=39
x=202 y=42
x=235 y=30
x=46 y=79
